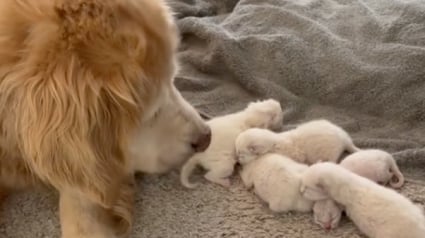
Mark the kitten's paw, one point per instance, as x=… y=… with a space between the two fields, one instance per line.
x=225 y=183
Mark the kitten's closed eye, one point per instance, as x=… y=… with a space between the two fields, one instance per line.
x=252 y=149
x=302 y=188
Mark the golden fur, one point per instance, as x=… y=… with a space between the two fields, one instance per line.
x=77 y=77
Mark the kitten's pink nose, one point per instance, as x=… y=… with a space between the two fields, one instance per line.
x=203 y=141
x=328 y=226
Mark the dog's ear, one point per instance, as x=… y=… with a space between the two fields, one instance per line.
x=118 y=36
x=97 y=37
x=158 y=23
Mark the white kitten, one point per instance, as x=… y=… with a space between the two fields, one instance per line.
x=276 y=180
x=379 y=212
x=376 y=165
x=219 y=158
x=311 y=142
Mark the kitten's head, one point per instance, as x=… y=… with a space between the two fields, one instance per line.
x=327 y=214
x=315 y=179
x=253 y=143
x=266 y=114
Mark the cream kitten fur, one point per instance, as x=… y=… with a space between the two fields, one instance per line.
x=379 y=212
x=327 y=213
x=219 y=158
x=376 y=165
x=276 y=180
x=311 y=142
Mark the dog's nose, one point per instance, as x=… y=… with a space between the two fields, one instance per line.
x=203 y=141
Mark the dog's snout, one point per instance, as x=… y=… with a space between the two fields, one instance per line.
x=202 y=142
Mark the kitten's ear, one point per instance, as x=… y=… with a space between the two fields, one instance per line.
x=322 y=191
x=274 y=146
x=340 y=206
x=319 y=185
x=257 y=148
x=315 y=194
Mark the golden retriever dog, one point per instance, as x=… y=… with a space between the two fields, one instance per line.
x=86 y=87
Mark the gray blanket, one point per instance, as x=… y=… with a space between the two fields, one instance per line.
x=358 y=63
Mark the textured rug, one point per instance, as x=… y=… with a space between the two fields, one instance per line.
x=358 y=63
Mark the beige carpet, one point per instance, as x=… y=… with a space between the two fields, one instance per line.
x=359 y=63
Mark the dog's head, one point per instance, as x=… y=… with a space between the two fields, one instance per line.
x=253 y=143
x=96 y=77
x=170 y=137
x=171 y=130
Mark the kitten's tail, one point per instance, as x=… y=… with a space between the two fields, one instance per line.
x=399 y=176
x=349 y=144
x=351 y=148
x=187 y=170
